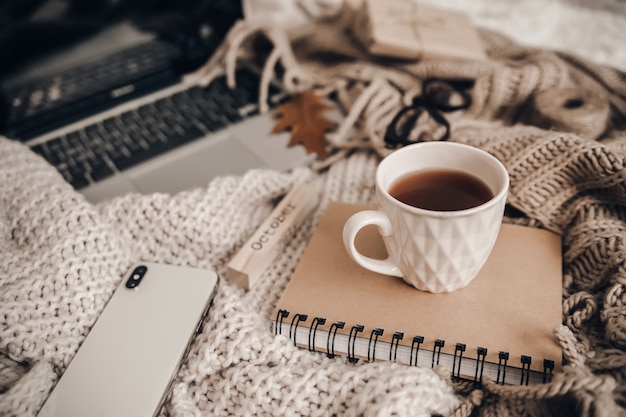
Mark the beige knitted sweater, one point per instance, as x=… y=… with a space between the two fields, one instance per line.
x=61 y=257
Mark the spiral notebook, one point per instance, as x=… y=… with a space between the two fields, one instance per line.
x=500 y=326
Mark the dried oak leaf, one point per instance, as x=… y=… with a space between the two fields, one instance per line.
x=303 y=114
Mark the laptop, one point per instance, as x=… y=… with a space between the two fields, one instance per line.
x=138 y=137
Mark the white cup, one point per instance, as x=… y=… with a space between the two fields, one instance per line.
x=435 y=251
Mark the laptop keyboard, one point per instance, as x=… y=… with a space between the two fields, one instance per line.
x=47 y=103
x=120 y=142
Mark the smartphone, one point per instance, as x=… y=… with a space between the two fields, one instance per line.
x=127 y=362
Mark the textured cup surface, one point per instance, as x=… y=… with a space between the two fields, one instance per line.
x=435 y=251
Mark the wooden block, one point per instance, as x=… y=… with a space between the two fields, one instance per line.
x=246 y=267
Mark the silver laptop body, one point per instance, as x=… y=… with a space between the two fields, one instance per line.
x=235 y=149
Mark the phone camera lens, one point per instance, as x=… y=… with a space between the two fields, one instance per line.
x=136 y=276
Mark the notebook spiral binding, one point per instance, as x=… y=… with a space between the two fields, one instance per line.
x=416 y=343
x=356 y=329
x=330 y=346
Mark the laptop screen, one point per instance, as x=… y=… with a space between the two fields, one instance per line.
x=36 y=29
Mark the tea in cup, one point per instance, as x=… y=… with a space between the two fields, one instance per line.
x=440 y=208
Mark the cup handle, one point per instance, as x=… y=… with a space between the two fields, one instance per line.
x=355 y=223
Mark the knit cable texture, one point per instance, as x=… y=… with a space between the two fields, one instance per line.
x=61 y=257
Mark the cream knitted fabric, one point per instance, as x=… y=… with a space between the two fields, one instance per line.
x=59 y=253
x=61 y=257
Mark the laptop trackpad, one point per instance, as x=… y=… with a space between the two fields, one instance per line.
x=196 y=166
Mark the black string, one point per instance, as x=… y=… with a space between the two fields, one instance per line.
x=282 y=314
x=352 y=340
x=393 y=350
x=437 y=96
x=525 y=369
x=330 y=347
x=317 y=321
x=374 y=335
x=503 y=357
x=417 y=341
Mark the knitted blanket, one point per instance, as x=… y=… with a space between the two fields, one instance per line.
x=61 y=257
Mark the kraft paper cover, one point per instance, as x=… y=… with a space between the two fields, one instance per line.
x=513 y=305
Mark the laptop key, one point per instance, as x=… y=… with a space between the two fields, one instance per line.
x=100 y=171
x=79 y=182
x=71 y=175
x=38 y=149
